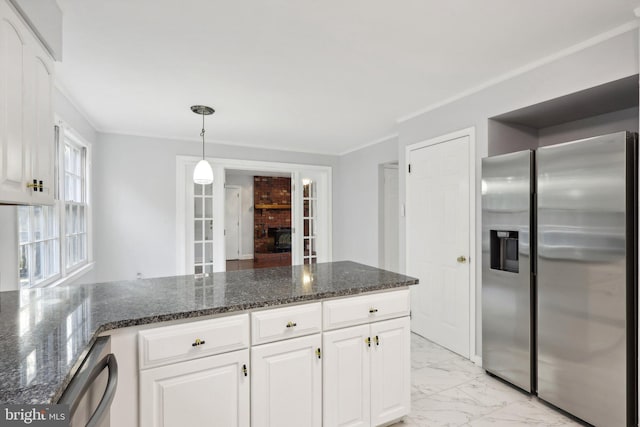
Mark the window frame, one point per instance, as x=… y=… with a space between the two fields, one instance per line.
x=68 y=138
x=56 y=239
x=66 y=274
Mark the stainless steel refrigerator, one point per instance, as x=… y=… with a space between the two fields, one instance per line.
x=507 y=286
x=580 y=317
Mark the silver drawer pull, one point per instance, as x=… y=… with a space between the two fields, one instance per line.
x=291 y=324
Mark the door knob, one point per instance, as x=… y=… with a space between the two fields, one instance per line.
x=461 y=259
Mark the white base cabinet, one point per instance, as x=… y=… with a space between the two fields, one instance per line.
x=286 y=383
x=346 y=387
x=367 y=374
x=342 y=362
x=390 y=370
x=211 y=391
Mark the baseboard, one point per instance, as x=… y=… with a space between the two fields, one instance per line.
x=477 y=360
x=246 y=256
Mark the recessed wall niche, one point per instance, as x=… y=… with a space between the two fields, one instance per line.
x=608 y=108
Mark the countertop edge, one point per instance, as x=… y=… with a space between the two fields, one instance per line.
x=148 y=320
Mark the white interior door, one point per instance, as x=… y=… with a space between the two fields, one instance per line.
x=438 y=242
x=232 y=222
x=391 y=206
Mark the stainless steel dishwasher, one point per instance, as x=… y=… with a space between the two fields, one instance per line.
x=91 y=391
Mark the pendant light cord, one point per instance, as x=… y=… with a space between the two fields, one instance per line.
x=202 y=135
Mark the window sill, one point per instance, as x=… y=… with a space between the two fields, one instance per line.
x=75 y=275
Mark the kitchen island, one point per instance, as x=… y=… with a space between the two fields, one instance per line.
x=47 y=332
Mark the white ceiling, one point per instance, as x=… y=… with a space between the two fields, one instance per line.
x=320 y=76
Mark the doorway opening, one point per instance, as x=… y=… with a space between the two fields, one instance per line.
x=289 y=223
x=258 y=218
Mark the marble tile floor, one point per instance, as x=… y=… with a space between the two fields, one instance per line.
x=448 y=390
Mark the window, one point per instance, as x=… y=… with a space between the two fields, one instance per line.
x=309 y=202
x=203 y=228
x=75 y=206
x=39 y=244
x=53 y=240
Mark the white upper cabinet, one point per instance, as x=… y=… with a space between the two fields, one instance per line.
x=45 y=19
x=26 y=114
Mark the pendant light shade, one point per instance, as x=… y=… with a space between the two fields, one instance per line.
x=202 y=174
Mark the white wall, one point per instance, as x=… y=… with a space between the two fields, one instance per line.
x=356 y=204
x=609 y=60
x=135 y=199
x=245 y=182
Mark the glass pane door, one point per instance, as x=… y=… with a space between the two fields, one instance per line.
x=309 y=218
x=203 y=228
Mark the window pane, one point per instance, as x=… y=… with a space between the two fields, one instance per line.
x=208 y=230
x=208 y=268
x=68 y=251
x=82 y=226
x=75 y=160
x=54 y=257
x=67 y=158
x=74 y=215
x=24 y=265
x=208 y=189
x=81 y=247
x=78 y=190
x=197 y=208
x=198 y=269
x=74 y=250
x=208 y=207
x=197 y=189
x=69 y=219
x=208 y=250
x=51 y=222
x=38 y=223
x=38 y=262
x=197 y=230
x=67 y=187
x=312 y=247
x=197 y=253
x=23 y=223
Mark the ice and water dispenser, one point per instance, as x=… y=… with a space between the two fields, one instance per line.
x=504 y=250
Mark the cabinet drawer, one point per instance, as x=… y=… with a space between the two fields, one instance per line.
x=287 y=322
x=366 y=308
x=170 y=344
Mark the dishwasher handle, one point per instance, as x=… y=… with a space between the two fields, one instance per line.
x=110 y=362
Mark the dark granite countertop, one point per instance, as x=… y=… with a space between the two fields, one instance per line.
x=46 y=333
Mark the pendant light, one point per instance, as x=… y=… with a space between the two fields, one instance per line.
x=203 y=174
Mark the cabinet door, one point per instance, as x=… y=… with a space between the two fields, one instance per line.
x=212 y=391
x=346 y=374
x=286 y=389
x=14 y=160
x=42 y=137
x=390 y=370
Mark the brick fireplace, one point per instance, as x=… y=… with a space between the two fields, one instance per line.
x=271 y=221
